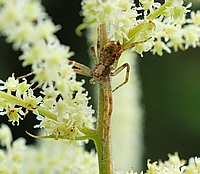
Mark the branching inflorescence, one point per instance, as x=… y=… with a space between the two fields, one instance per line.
x=62 y=108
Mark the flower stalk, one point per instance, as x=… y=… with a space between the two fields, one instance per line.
x=104 y=153
x=160 y=10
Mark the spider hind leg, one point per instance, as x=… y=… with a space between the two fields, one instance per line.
x=118 y=70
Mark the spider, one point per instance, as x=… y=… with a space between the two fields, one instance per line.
x=105 y=61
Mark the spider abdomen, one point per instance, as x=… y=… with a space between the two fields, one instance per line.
x=110 y=53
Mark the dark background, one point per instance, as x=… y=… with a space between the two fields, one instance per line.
x=170 y=84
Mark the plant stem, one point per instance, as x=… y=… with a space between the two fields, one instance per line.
x=20 y=102
x=160 y=10
x=102 y=140
x=104 y=153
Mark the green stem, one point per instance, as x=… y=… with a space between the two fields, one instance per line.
x=20 y=102
x=104 y=153
x=133 y=33
x=160 y=10
x=98 y=140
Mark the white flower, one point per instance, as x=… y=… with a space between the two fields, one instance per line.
x=195 y=18
x=11 y=84
x=149 y=4
x=177 y=11
x=5 y=135
x=13 y=112
x=159 y=46
x=192 y=36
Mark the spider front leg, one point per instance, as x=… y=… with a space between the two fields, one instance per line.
x=94 y=57
x=118 y=70
x=81 y=69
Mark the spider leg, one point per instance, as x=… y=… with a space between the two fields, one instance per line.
x=105 y=91
x=94 y=57
x=81 y=69
x=110 y=101
x=118 y=70
x=98 y=41
x=133 y=44
x=110 y=109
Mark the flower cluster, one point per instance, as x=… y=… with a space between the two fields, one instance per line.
x=177 y=35
x=19 y=158
x=166 y=24
x=47 y=157
x=174 y=165
x=119 y=17
x=62 y=106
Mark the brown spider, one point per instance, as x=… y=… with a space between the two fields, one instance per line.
x=105 y=62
